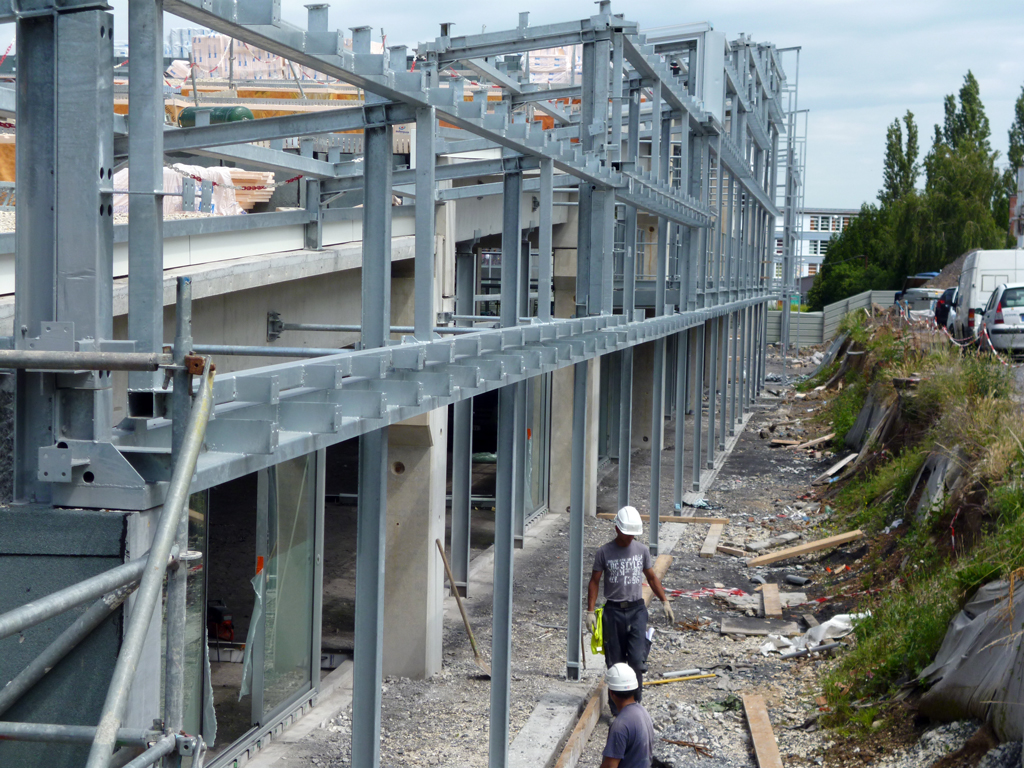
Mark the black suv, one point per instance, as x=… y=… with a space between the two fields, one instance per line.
x=942 y=306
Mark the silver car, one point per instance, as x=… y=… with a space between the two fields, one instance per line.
x=1002 y=322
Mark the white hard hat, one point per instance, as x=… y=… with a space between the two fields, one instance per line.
x=628 y=521
x=621 y=677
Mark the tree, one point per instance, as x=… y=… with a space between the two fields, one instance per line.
x=966 y=122
x=1015 y=158
x=901 y=169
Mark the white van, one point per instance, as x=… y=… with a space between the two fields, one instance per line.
x=982 y=273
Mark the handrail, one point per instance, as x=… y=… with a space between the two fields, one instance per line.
x=152 y=579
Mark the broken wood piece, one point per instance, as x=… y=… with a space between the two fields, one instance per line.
x=674 y=519
x=772 y=606
x=661 y=566
x=753 y=602
x=803 y=549
x=743 y=625
x=765 y=746
x=711 y=542
x=581 y=733
x=811 y=621
x=815 y=441
x=778 y=441
x=700 y=749
x=734 y=551
x=833 y=469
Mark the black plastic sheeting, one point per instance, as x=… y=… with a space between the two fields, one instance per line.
x=979 y=670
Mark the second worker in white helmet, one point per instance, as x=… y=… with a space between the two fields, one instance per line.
x=623 y=562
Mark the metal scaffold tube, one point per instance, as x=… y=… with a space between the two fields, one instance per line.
x=151 y=585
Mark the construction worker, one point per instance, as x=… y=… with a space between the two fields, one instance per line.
x=631 y=735
x=623 y=561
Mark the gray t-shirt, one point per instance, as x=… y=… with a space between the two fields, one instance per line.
x=623 y=569
x=631 y=738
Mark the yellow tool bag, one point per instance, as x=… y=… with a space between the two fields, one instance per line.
x=597 y=637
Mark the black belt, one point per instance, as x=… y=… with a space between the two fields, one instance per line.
x=623 y=605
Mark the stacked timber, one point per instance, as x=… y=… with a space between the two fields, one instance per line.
x=247 y=198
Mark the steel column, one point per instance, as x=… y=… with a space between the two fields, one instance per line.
x=737 y=365
x=577 y=481
x=146 y=182
x=723 y=400
x=545 y=253
x=462 y=439
x=424 y=270
x=698 y=402
x=682 y=380
x=712 y=342
x=521 y=491
x=371 y=515
x=504 y=513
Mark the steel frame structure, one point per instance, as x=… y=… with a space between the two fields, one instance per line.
x=684 y=128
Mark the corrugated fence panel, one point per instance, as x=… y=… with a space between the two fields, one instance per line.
x=821 y=327
x=774 y=326
x=805 y=328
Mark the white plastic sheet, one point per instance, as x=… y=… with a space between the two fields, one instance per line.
x=838 y=626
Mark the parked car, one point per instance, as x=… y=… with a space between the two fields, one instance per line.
x=942 y=306
x=1002 y=320
x=982 y=272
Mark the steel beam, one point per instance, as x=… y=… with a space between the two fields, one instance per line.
x=462 y=439
x=424 y=270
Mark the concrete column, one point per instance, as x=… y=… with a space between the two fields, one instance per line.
x=643 y=392
x=414 y=574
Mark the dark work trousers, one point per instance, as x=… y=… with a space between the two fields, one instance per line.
x=625 y=638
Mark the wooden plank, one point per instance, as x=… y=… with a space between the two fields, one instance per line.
x=765 y=746
x=788 y=443
x=580 y=735
x=745 y=625
x=815 y=441
x=772 y=606
x=711 y=542
x=732 y=551
x=809 y=618
x=803 y=549
x=661 y=566
x=673 y=519
x=835 y=468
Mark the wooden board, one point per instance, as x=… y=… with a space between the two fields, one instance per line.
x=765 y=746
x=753 y=602
x=711 y=542
x=581 y=733
x=835 y=468
x=789 y=443
x=661 y=566
x=674 y=519
x=744 y=625
x=811 y=621
x=803 y=549
x=815 y=441
x=772 y=606
x=732 y=551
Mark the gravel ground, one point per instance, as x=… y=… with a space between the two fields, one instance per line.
x=444 y=721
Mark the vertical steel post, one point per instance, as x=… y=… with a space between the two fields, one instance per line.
x=504 y=513
x=698 y=402
x=657 y=440
x=371 y=512
x=146 y=182
x=735 y=372
x=423 y=310
x=712 y=343
x=628 y=300
x=545 y=253
x=576 y=514
x=177 y=576
x=462 y=438
x=682 y=379
x=521 y=491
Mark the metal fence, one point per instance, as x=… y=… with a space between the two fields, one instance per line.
x=809 y=328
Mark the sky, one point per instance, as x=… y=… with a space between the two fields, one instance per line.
x=863 y=63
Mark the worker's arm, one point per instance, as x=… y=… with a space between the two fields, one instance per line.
x=610 y=762
x=655 y=583
x=592 y=587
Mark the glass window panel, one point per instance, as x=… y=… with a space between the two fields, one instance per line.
x=288 y=580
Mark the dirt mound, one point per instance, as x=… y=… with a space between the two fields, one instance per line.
x=950 y=274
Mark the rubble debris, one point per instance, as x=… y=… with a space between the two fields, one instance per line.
x=700 y=749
